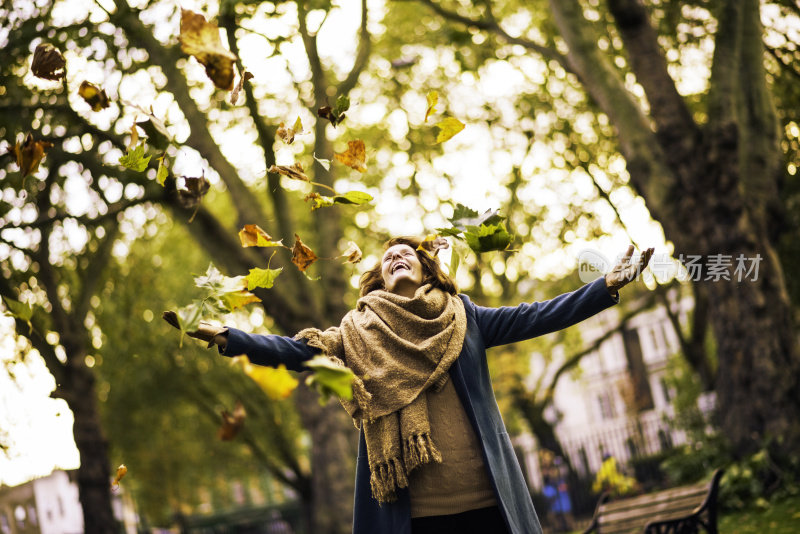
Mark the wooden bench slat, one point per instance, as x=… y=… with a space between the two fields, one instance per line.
x=697 y=492
x=651 y=509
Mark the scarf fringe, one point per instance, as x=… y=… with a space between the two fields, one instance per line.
x=419 y=450
x=385 y=477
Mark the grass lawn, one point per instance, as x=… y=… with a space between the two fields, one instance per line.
x=781 y=518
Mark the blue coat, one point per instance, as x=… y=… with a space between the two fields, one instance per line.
x=486 y=327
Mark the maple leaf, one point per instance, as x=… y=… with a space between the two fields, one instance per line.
x=201 y=39
x=295 y=172
x=121 y=472
x=485 y=238
x=432 y=244
x=277 y=383
x=135 y=159
x=354 y=157
x=330 y=378
x=288 y=134
x=302 y=256
x=29 y=154
x=464 y=217
x=238 y=89
x=48 y=63
x=448 y=127
x=163 y=169
x=433 y=99
x=335 y=114
x=262 y=278
x=251 y=235
x=93 y=95
x=232 y=422
x=353 y=253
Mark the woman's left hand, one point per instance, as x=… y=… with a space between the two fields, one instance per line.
x=626 y=271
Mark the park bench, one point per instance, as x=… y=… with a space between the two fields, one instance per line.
x=682 y=510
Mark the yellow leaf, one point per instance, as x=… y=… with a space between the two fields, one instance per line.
x=354 y=157
x=93 y=95
x=121 y=472
x=448 y=128
x=277 y=383
x=295 y=172
x=134 y=137
x=201 y=40
x=433 y=99
x=253 y=236
x=29 y=154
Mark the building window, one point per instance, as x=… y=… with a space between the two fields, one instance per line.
x=606 y=406
x=665 y=440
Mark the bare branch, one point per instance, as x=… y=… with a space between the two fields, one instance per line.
x=362 y=54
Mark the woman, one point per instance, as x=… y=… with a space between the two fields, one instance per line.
x=434 y=455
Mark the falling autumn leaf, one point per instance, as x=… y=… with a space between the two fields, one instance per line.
x=277 y=382
x=48 y=63
x=238 y=89
x=262 y=278
x=201 y=40
x=353 y=253
x=326 y=163
x=232 y=422
x=134 y=159
x=29 y=154
x=163 y=169
x=93 y=95
x=251 y=235
x=318 y=201
x=193 y=192
x=295 y=172
x=433 y=99
x=302 y=256
x=288 y=134
x=354 y=157
x=433 y=243
x=335 y=114
x=121 y=472
x=330 y=378
x=448 y=128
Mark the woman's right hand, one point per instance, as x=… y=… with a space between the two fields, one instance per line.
x=213 y=335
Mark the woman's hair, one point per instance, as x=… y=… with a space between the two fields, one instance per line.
x=432 y=273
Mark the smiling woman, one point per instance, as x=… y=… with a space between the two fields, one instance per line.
x=434 y=454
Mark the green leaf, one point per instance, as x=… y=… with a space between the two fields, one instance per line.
x=20 y=310
x=464 y=217
x=330 y=379
x=342 y=104
x=135 y=159
x=451 y=232
x=163 y=170
x=353 y=197
x=262 y=278
x=485 y=238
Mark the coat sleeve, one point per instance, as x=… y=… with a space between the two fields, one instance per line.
x=269 y=350
x=510 y=324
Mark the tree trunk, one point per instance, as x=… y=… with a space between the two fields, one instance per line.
x=94 y=477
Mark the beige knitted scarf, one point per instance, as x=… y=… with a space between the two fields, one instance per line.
x=398 y=348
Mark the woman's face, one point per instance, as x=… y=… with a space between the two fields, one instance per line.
x=401 y=270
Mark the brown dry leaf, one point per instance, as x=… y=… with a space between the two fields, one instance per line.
x=192 y=195
x=134 y=137
x=201 y=40
x=354 y=157
x=253 y=236
x=29 y=154
x=48 y=63
x=295 y=172
x=121 y=472
x=238 y=89
x=353 y=253
x=302 y=256
x=432 y=244
x=232 y=422
x=287 y=134
x=93 y=95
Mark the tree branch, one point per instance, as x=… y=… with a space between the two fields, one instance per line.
x=362 y=55
x=676 y=130
x=492 y=26
x=310 y=44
